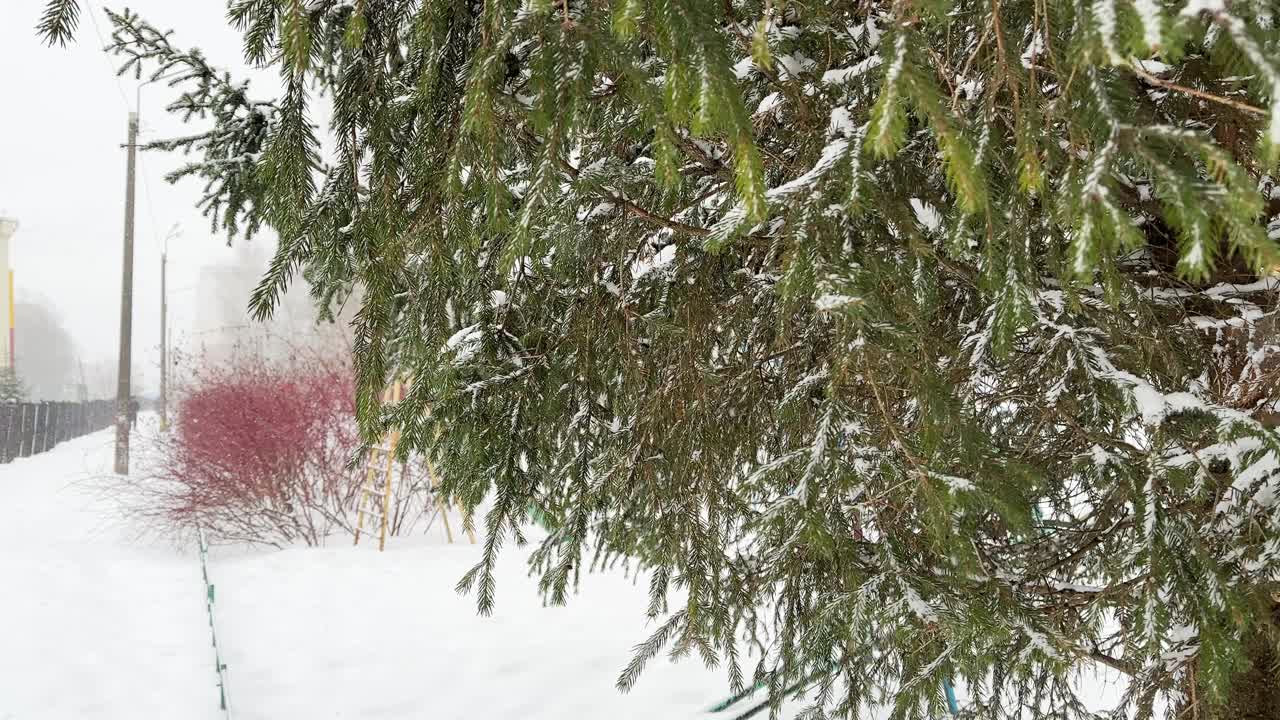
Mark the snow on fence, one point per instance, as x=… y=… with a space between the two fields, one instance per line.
x=30 y=428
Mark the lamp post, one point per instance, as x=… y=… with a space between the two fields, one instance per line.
x=164 y=328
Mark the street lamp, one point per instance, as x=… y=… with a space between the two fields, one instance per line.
x=174 y=231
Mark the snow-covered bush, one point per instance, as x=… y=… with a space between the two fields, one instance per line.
x=261 y=451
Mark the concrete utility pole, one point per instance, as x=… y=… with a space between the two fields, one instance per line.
x=164 y=327
x=164 y=341
x=126 y=308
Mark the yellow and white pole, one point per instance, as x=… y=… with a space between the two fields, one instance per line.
x=8 y=227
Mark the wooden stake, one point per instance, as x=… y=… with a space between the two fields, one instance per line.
x=392 y=439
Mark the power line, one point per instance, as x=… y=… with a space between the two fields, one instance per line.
x=102 y=43
x=124 y=98
x=151 y=206
x=124 y=397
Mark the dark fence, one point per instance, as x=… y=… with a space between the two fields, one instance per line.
x=30 y=428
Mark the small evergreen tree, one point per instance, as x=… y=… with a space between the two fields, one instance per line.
x=11 y=387
x=911 y=338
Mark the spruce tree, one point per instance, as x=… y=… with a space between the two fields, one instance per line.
x=11 y=387
x=893 y=340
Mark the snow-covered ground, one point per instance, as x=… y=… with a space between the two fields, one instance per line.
x=337 y=632
x=96 y=622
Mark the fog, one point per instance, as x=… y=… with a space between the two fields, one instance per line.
x=62 y=177
x=53 y=366
x=47 y=360
x=223 y=324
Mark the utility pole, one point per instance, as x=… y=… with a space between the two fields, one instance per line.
x=164 y=340
x=175 y=231
x=126 y=308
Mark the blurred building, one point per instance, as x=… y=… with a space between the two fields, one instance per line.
x=224 y=326
x=221 y=309
x=8 y=227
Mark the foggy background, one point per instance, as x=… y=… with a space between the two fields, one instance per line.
x=62 y=176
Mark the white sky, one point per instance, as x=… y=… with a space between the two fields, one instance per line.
x=63 y=119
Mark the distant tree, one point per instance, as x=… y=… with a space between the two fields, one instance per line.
x=11 y=388
x=46 y=353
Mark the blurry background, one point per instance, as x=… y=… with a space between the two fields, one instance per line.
x=68 y=198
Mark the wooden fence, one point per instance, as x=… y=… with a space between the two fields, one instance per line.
x=30 y=428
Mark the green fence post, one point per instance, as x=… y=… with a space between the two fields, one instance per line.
x=210 y=595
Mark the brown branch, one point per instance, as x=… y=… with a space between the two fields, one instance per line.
x=711 y=164
x=964 y=72
x=916 y=464
x=1170 y=85
x=1113 y=663
x=674 y=225
x=634 y=209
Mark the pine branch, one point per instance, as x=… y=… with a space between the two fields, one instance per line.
x=58 y=22
x=993 y=358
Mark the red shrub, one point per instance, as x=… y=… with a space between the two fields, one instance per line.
x=261 y=452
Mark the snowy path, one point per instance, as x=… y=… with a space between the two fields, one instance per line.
x=94 y=624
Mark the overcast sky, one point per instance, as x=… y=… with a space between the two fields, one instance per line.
x=63 y=120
